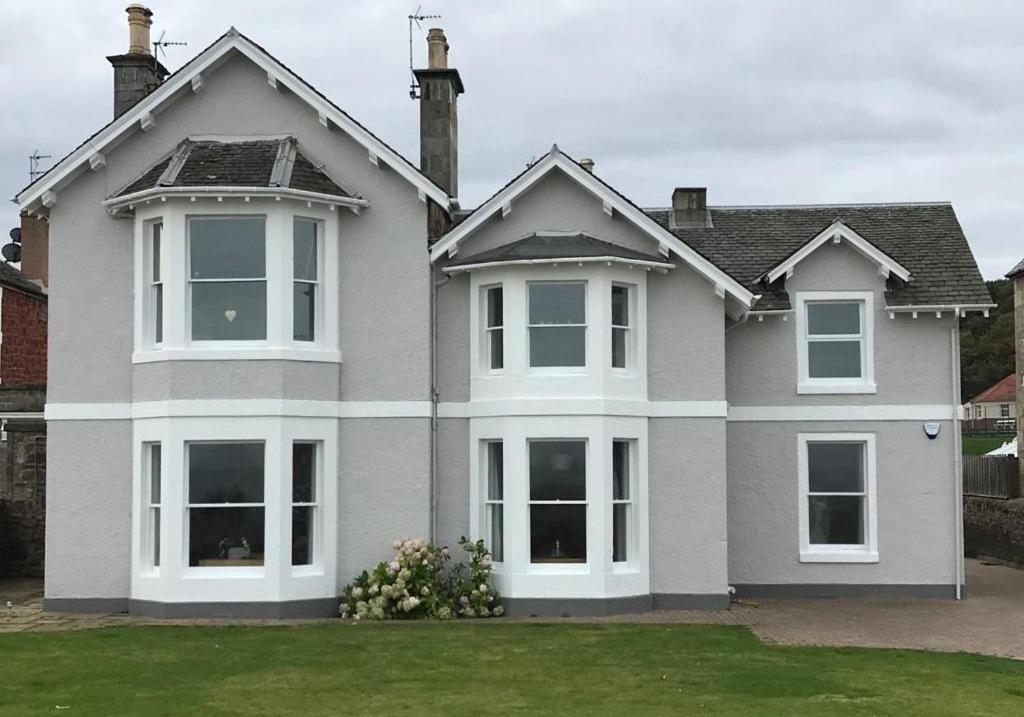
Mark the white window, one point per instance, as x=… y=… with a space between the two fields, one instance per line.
x=226 y=504
x=155 y=279
x=152 y=456
x=1004 y=410
x=621 y=336
x=557 y=324
x=558 y=501
x=834 y=335
x=623 y=518
x=494 y=500
x=838 y=511
x=306 y=278
x=305 y=494
x=494 y=329
x=978 y=411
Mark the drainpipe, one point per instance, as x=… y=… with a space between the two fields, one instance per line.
x=958 y=470
x=432 y=537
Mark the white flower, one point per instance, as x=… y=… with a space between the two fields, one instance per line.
x=357 y=593
x=483 y=588
x=499 y=611
x=425 y=591
x=394 y=566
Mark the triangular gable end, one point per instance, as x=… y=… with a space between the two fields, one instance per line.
x=189 y=78
x=612 y=202
x=837 y=232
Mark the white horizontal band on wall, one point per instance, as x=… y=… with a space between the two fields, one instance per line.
x=909 y=412
x=582 y=407
x=237 y=407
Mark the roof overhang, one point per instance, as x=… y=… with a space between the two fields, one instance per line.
x=740 y=298
x=838 y=232
x=143 y=116
x=659 y=266
x=938 y=309
x=130 y=201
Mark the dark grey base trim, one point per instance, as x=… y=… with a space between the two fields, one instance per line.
x=696 y=601
x=826 y=591
x=106 y=606
x=291 y=609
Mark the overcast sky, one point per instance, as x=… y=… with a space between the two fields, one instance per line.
x=762 y=101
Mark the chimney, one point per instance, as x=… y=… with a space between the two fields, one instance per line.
x=136 y=73
x=588 y=164
x=690 y=208
x=440 y=88
x=35 y=249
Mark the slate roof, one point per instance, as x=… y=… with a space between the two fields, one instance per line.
x=551 y=246
x=1004 y=391
x=1019 y=269
x=927 y=239
x=249 y=163
x=12 y=278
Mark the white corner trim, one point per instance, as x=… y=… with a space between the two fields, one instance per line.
x=878 y=412
x=557 y=160
x=244 y=407
x=838 y=230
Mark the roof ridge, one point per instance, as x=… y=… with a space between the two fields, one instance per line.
x=852 y=205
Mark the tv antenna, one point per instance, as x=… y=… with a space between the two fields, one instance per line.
x=33 y=165
x=416 y=17
x=161 y=45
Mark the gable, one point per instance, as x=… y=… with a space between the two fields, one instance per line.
x=198 y=76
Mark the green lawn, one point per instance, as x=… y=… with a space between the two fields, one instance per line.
x=979 y=446
x=483 y=669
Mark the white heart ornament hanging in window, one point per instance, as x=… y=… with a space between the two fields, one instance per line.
x=230 y=315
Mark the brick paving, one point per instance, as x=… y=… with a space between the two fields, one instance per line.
x=990 y=621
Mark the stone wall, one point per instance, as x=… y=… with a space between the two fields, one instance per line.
x=994 y=528
x=22 y=484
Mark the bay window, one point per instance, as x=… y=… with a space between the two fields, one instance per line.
x=153 y=468
x=622 y=501
x=156 y=283
x=835 y=342
x=494 y=330
x=494 y=500
x=306 y=279
x=838 y=512
x=557 y=323
x=620 y=325
x=558 y=501
x=305 y=492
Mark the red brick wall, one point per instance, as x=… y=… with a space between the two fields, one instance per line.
x=23 y=351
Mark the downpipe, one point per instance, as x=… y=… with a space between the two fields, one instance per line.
x=958 y=465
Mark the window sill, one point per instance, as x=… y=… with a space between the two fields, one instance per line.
x=836 y=388
x=838 y=556
x=264 y=353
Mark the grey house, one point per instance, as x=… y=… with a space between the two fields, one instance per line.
x=276 y=346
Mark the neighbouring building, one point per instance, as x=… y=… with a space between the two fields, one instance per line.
x=278 y=346
x=998 y=402
x=1016 y=275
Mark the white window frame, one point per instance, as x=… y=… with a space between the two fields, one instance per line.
x=530 y=503
x=1004 y=410
x=631 y=293
x=489 y=331
x=583 y=368
x=863 y=384
x=318 y=316
x=315 y=548
x=815 y=553
x=153 y=544
x=630 y=501
x=154 y=298
x=177 y=345
x=490 y=502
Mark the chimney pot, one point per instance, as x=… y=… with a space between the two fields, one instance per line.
x=140 y=18
x=437 y=49
x=588 y=164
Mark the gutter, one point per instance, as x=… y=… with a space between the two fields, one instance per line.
x=148 y=195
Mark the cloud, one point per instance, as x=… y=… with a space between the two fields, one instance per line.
x=781 y=102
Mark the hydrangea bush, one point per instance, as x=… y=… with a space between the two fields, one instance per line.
x=419 y=582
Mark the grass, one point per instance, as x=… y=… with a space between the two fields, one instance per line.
x=483 y=669
x=980 y=445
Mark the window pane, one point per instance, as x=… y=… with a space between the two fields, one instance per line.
x=836 y=519
x=835 y=467
x=558 y=346
x=496 y=341
x=833 y=359
x=158 y=297
x=558 y=470
x=304 y=245
x=224 y=311
x=303 y=473
x=154 y=473
x=620 y=470
x=495 y=471
x=558 y=303
x=833 y=318
x=225 y=473
x=154 y=521
x=157 y=234
x=495 y=310
x=620 y=306
x=302 y=535
x=227 y=248
x=496 y=532
x=304 y=311
x=558 y=533
x=225 y=537
x=619 y=348
x=620 y=532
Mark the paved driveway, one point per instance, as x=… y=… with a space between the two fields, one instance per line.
x=990 y=621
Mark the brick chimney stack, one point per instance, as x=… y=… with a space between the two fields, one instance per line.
x=440 y=88
x=136 y=73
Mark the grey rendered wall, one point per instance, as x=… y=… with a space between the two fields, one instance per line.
x=453 y=481
x=88 y=506
x=687 y=498
x=916 y=481
x=912 y=356
x=184 y=380
x=453 y=338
